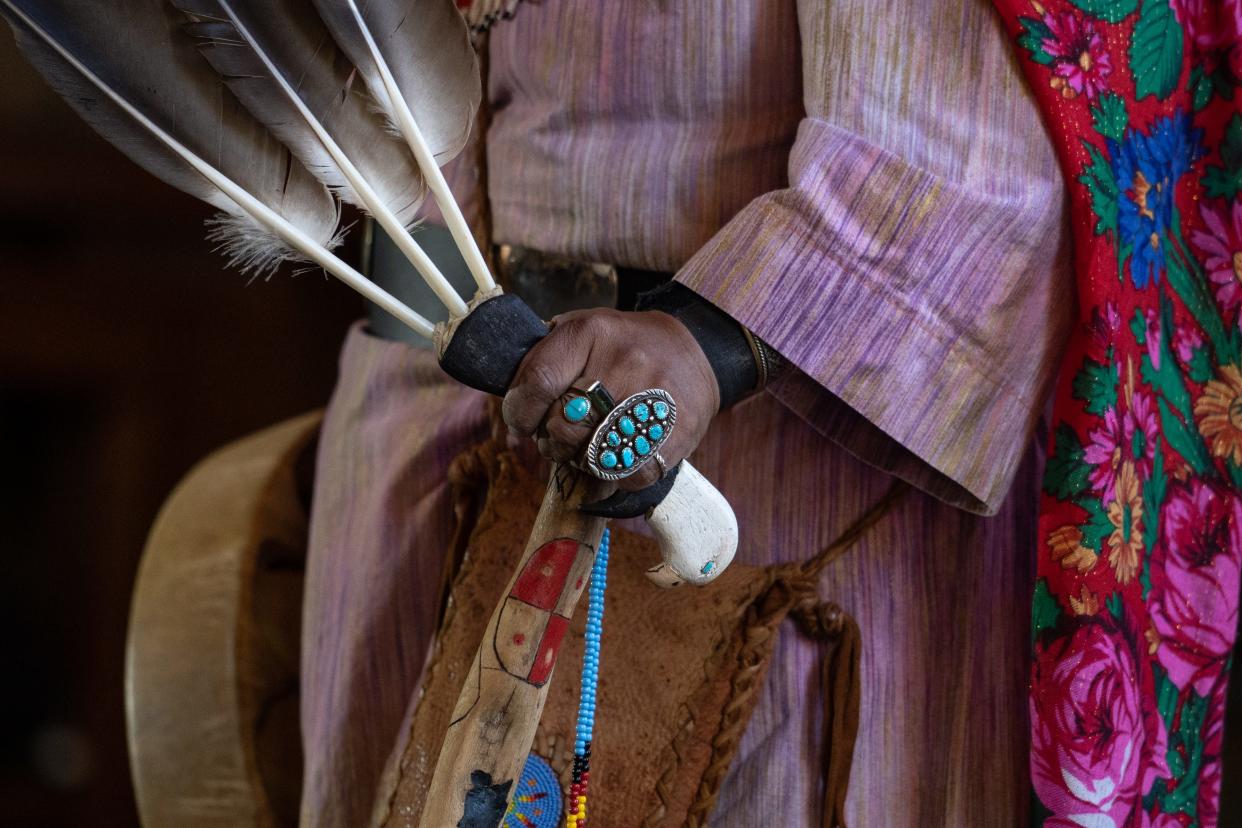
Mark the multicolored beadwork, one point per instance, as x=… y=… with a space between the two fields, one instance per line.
x=537 y=801
x=577 y=800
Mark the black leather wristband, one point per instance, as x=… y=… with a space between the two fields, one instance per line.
x=720 y=336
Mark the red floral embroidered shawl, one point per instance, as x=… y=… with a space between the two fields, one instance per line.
x=1135 y=607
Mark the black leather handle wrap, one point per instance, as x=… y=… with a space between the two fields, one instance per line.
x=490 y=343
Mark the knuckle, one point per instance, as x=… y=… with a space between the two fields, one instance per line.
x=552 y=450
x=638 y=360
x=510 y=409
x=518 y=413
x=564 y=432
x=542 y=381
x=573 y=327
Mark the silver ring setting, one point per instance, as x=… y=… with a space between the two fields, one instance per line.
x=590 y=399
x=631 y=434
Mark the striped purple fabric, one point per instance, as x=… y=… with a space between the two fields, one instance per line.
x=872 y=192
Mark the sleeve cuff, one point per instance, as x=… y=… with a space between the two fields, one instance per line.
x=925 y=317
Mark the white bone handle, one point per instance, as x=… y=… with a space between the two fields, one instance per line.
x=697 y=531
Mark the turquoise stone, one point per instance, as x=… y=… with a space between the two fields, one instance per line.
x=577 y=409
x=641 y=413
x=708 y=567
x=656 y=432
x=661 y=409
x=627 y=457
x=613 y=439
x=627 y=426
x=608 y=459
x=641 y=445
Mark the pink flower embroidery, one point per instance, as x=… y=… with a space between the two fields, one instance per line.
x=1094 y=750
x=1187 y=340
x=1105 y=451
x=1151 y=335
x=1221 y=247
x=1213 y=28
x=1140 y=429
x=1080 y=60
x=1195 y=580
x=1104 y=325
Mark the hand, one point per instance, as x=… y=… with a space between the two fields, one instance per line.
x=628 y=352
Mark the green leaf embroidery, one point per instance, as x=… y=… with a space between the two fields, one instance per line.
x=1192 y=289
x=1166 y=696
x=1200 y=366
x=1223 y=80
x=1156 y=51
x=1177 y=765
x=1097 y=526
x=1153 y=496
x=1112 y=11
x=1203 y=86
x=1034 y=33
x=1188 y=738
x=1151 y=799
x=1174 y=399
x=1138 y=327
x=1045 y=611
x=1096 y=384
x=1066 y=474
x=1167 y=382
x=1115 y=606
x=1183 y=441
x=1145 y=576
x=1200 y=88
x=1109 y=116
x=1225 y=181
x=1097 y=177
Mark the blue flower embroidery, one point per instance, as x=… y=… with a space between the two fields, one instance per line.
x=1146 y=169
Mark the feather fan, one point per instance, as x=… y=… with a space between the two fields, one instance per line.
x=141 y=85
x=417 y=61
x=90 y=53
x=283 y=65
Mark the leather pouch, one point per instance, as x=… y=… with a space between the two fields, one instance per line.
x=679 y=669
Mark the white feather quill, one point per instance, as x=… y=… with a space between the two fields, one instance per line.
x=416 y=58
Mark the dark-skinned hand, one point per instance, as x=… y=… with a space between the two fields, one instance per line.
x=628 y=352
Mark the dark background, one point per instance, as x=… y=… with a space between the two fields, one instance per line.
x=127 y=352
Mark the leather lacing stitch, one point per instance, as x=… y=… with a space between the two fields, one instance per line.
x=791 y=592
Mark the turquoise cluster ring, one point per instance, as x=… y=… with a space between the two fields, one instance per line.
x=631 y=434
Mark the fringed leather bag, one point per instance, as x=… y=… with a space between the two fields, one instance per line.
x=680 y=669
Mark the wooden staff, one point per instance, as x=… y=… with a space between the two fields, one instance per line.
x=502 y=697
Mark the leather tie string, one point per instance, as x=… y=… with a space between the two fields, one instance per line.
x=841 y=691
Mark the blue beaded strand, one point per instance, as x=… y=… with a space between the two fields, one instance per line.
x=576 y=816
